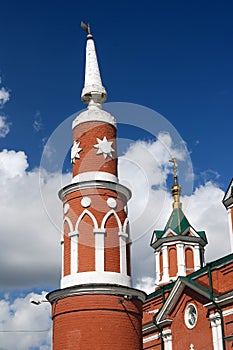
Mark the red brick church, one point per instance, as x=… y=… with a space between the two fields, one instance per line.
x=96 y=306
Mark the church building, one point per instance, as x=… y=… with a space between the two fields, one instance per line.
x=96 y=306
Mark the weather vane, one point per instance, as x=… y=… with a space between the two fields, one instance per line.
x=86 y=27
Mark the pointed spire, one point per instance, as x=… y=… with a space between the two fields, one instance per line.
x=93 y=93
x=176 y=188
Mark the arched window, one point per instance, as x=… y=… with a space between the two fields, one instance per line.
x=172 y=258
x=189 y=260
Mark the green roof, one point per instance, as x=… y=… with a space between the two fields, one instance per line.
x=179 y=224
x=177 y=221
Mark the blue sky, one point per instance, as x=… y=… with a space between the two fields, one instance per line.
x=174 y=57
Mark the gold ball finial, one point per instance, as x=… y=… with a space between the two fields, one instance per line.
x=176 y=188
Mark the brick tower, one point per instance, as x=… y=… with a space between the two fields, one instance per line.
x=96 y=307
x=179 y=248
x=228 y=203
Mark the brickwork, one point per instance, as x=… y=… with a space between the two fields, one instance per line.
x=87 y=134
x=100 y=322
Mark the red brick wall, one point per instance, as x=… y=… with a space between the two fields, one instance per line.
x=98 y=322
x=86 y=134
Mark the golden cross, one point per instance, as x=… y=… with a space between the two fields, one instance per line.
x=173 y=160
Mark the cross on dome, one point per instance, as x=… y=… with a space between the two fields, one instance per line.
x=176 y=188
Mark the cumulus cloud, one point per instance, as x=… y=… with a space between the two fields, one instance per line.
x=31 y=213
x=145 y=170
x=4 y=96
x=4 y=126
x=24 y=325
x=30 y=227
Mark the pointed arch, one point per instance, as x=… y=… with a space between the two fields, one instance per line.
x=92 y=217
x=126 y=222
x=189 y=260
x=107 y=216
x=66 y=219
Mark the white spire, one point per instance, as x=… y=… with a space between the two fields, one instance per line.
x=93 y=92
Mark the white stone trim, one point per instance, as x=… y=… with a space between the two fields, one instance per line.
x=95 y=176
x=86 y=212
x=157 y=267
x=227 y=312
x=73 y=252
x=229 y=216
x=196 y=255
x=94 y=184
x=150 y=338
x=165 y=264
x=94 y=114
x=95 y=289
x=167 y=338
x=215 y=322
x=107 y=215
x=62 y=256
x=66 y=219
x=99 y=249
x=123 y=257
x=181 y=271
x=95 y=277
x=126 y=222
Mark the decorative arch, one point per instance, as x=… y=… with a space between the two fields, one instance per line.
x=189 y=260
x=126 y=222
x=172 y=258
x=107 y=216
x=92 y=217
x=66 y=219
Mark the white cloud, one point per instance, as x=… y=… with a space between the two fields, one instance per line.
x=37 y=123
x=24 y=325
x=4 y=96
x=30 y=235
x=4 y=126
x=146 y=165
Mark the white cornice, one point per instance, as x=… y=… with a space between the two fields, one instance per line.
x=94 y=184
x=94 y=114
x=93 y=289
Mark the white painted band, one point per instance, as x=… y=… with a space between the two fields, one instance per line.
x=95 y=175
x=95 y=277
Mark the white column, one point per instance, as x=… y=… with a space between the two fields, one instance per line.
x=180 y=259
x=157 y=268
x=73 y=252
x=99 y=249
x=165 y=264
x=123 y=256
x=215 y=323
x=62 y=256
x=197 y=261
x=167 y=338
x=230 y=223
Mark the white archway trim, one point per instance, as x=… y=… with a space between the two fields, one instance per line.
x=66 y=219
x=125 y=225
x=86 y=212
x=106 y=217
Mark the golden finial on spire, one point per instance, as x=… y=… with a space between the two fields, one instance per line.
x=176 y=188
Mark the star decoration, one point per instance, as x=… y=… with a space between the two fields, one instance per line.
x=75 y=151
x=104 y=147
